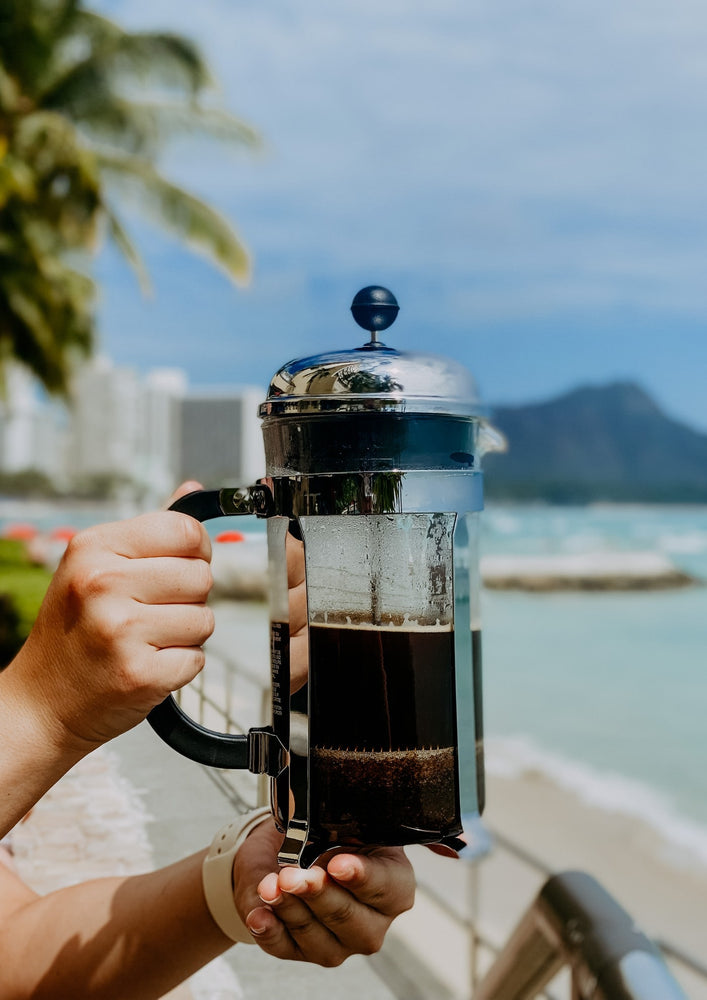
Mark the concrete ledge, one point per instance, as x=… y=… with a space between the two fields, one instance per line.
x=588 y=571
x=241 y=572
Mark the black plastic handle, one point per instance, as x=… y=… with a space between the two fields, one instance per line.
x=260 y=750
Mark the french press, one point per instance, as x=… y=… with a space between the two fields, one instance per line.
x=372 y=465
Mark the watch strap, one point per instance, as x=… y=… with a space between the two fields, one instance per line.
x=217 y=873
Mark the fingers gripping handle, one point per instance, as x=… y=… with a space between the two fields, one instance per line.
x=203 y=505
x=259 y=750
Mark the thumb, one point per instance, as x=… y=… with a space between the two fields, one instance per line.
x=187 y=487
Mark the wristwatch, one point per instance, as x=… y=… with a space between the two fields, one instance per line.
x=217 y=873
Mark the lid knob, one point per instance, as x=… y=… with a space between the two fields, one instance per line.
x=374 y=308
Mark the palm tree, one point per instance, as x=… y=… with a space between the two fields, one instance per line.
x=75 y=140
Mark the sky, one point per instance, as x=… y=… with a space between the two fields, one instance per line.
x=528 y=178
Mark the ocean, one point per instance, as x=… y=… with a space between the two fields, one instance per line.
x=606 y=693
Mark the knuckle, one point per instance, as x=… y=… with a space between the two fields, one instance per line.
x=377 y=898
x=374 y=943
x=111 y=628
x=204 y=579
x=188 y=664
x=341 y=914
x=89 y=580
x=299 y=928
x=332 y=961
x=196 y=663
x=86 y=540
x=208 y=621
x=191 y=533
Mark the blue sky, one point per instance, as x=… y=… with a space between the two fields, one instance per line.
x=529 y=178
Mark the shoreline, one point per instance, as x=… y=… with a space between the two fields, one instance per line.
x=683 y=836
x=551 y=826
x=664 y=892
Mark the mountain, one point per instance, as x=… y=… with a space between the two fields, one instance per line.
x=609 y=442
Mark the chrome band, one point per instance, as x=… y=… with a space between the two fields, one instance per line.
x=355 y=493
x=298 y=405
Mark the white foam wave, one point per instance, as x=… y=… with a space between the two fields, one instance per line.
x=687 y=543
x=502 y=522
x=585 y=541
x=685 y=839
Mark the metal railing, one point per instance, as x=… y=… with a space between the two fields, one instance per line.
x=223 y=707
x=574 y=922
x=485 y=948
x=541 y=943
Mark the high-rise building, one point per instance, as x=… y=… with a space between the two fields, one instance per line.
x=32 y=430
x=157 y=467
x=106 y=422
x=141 y=435
x=220 y=438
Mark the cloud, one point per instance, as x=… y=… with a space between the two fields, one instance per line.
x=520 y=162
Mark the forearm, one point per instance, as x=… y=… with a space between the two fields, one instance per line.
x=137 y=936
x=31 y=759
x=121 y=625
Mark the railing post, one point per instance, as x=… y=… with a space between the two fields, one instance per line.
x=574 y=921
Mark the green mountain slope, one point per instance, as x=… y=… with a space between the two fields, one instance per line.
x=609 y=442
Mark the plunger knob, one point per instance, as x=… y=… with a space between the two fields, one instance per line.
x=374 y=308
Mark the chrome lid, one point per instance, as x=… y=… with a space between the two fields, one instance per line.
x=373 y=376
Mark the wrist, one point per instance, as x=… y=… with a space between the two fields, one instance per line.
x=31 y=757
x=217 y=873
x=29 y=693
x=53 y=693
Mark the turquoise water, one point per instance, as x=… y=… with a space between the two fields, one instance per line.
x=607 y=692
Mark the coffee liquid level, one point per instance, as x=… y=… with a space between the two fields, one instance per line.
x=383 y=733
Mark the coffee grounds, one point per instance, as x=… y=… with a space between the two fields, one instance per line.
x=369 y=795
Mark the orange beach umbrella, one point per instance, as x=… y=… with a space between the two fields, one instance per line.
x=62 y=534
x=230 y=536
x=20 y=531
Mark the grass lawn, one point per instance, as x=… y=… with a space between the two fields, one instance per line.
x=25 y=583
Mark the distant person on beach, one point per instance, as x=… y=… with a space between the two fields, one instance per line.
x=121 y=626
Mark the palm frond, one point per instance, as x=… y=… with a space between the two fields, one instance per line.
x=180 y=212
x=170 y=119
x=159 y=58
x=118 y=234
x=9 y=91
x=16 y=179
x=27 y=309
x=46 y=322
x=86 y=105
x=46 y=130
x=145 y=126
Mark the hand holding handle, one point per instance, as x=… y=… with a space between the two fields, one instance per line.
x=260 y=750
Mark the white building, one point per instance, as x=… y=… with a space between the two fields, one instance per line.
x=220 y=436
x=33 y=431
x=146 y=433
x=158 y=459
x=106 y=421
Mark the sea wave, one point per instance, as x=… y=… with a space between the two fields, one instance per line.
x=685 y=839
x=690 y=542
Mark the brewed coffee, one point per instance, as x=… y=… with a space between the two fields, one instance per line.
x=383 y=732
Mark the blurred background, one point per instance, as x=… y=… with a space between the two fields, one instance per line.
x=191 y=196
